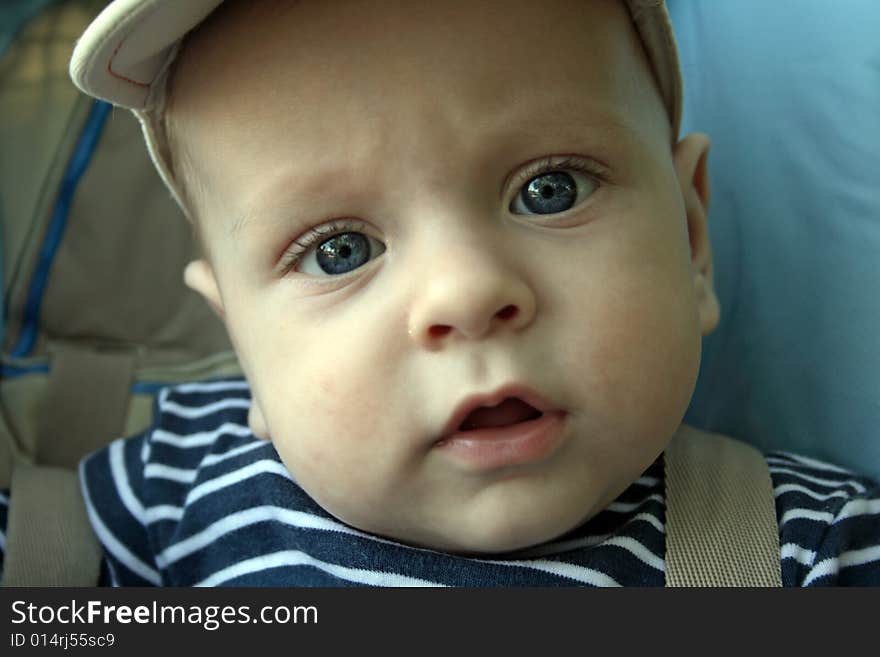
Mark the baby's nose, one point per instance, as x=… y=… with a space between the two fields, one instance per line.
x=470 y=301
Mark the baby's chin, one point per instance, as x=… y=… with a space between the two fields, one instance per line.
x=490 y=537
x=495 y=541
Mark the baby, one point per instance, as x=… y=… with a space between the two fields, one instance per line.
x=462 y=255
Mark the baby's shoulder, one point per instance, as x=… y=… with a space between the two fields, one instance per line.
x=829 y=522
x=192 y=425
x=194 y=464
x=199 y=432
x=197 y=425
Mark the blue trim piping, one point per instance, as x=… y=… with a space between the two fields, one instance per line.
x=14 y=371
x=137 y=388
x=148 y=387
x=79 y=161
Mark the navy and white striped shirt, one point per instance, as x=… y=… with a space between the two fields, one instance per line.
x=198 y=500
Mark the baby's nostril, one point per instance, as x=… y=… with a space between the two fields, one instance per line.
x=439 y=330
x=508 y=312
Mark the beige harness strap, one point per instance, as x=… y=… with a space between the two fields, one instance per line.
x=721 y=527
x=49 y=540
x=88 y=399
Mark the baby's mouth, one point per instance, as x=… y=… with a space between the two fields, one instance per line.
x=511 y=410
x=501 y=429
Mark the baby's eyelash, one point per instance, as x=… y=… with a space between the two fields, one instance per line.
x=560 y=163
x=313 y=237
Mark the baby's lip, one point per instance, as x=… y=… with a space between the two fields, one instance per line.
x=472 y=402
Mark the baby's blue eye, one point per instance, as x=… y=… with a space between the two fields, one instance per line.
x=340 y=254
x=552 y=192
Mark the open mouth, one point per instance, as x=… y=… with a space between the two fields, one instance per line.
x=511 y=410
x=509 y=427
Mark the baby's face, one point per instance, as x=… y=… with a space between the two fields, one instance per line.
x=417 y=211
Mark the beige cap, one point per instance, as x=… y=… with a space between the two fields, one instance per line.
x=124 y=56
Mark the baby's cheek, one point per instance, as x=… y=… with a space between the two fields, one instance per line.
x=339 y=478
x=319 y=463
x=638 y=358
x=329 y=434
x=346 y=402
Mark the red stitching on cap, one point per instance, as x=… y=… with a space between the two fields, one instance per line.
x=122 y=77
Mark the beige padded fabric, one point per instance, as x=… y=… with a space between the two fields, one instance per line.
x=49 y=540
x=113 y=303
x=115 y=319
x=721 y=527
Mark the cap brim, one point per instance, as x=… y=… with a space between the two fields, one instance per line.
x=651 y=20
x=124 y=53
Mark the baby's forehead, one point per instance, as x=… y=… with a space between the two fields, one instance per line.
x=331 y=64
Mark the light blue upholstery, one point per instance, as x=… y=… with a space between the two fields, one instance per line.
x=789 y=92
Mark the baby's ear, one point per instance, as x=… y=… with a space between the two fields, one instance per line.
x=199 y=276
x=691 y=156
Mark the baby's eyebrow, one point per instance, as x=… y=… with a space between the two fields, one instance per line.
x=568 y=115
x=251 y=220
x=239 y=223
x=282 y=199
